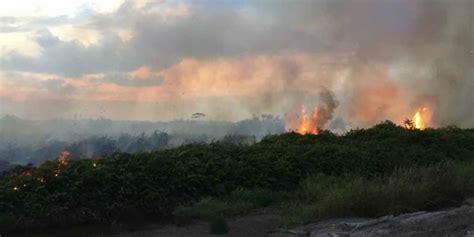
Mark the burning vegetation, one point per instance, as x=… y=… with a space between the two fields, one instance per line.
x=63 y=160
x=312 y=119
x=304 y=122
x=148 y=181
x=420 y=120
x=309 y=122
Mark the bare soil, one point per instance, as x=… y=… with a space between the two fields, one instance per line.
x=450 y=222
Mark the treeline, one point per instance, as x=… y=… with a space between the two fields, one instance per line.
x=29 y=131
x=124 y=185
x=28 y=141
x=99 y=146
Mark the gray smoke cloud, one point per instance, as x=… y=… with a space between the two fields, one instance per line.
x=326 y=110
x=379 y=59
x=405 y=54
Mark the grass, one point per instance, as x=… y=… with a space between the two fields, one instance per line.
x=238 y=202
x=403 y=191
x=322 y=196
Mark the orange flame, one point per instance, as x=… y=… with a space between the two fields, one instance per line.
x=305 y=122
x=63 y=158
x=420 y=119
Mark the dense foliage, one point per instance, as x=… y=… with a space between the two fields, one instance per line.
x=155 y=183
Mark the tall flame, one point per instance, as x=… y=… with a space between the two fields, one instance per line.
x=420 y=119
x=305 y=122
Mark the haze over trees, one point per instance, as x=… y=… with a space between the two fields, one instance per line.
x=31 y=141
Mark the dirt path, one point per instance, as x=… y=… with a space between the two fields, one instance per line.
x=257 y=224
x=450 y=222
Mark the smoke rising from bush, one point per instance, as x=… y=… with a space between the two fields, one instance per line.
x=381 y=59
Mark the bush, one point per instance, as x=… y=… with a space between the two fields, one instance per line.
x=238 y=202
x=406 y=190
x=156 y=183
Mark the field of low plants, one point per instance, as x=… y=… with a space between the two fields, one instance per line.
x=367 y=172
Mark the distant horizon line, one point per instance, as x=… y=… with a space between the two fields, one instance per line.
x=201 y=119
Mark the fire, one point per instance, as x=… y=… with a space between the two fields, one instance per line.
x=26 y=173
x=420 y=119
x=63 y=160
x=305 y=122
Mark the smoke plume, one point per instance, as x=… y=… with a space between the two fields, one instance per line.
x=359 y=62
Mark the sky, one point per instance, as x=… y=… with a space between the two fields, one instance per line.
x=163 y=60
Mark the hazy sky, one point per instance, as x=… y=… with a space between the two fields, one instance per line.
x=155 y=60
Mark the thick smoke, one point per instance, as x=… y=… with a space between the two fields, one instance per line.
x=407 y=54
x=380 y=59
x=313 y=115
x=327 y=107
x=398 y=56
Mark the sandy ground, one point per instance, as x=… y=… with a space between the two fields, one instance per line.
x=449 y=222
x=266 y=222
x=255 y=224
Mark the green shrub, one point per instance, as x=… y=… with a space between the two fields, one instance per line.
x=407 y=190
x=157 y=183
x=238 y=202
